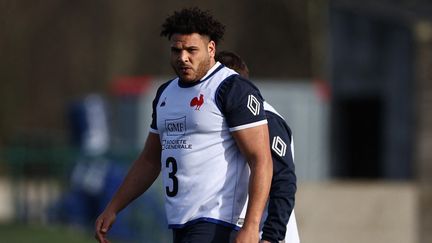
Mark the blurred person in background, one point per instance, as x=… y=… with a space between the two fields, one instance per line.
x=280 y=224
x=208 y=126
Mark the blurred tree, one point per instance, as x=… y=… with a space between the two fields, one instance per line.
x=56 y=51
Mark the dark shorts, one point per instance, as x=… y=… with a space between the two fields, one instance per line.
x=204 y=232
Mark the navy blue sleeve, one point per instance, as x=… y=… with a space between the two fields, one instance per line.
x=240 y=102
x=283 y=187
x=161 y=88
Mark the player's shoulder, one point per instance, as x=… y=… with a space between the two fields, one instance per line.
x=272 y=111
x=236 y=86
x=224 y=70
x=277 y=124
x=164 y=85
x=161 y=89
x=238 y=81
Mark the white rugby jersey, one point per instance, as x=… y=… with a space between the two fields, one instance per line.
x=204 y=174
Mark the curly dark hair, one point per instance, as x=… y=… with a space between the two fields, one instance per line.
x=193 y=20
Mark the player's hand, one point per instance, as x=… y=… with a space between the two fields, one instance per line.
x=103 y=225
x=247 y=235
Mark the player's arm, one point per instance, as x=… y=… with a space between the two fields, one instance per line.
x=253 y=143
x=283 y=188
x=139 y=178
x=242 y=104
x=243 y=107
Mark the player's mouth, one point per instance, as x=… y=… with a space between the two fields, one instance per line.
x=184 y=69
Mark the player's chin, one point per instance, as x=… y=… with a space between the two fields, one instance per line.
x=187 y=78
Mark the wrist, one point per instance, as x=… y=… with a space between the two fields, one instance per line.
x=250 y=225
x=111 y=208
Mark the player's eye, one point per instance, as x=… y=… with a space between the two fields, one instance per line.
x=192 y=50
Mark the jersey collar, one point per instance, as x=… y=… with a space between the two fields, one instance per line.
x=218 y=66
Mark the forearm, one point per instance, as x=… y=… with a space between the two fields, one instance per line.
x=141 y=175
x=136 y=182
x=250 y=142
x=259 y=187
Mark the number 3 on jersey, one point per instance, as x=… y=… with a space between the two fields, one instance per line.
x=171 y=162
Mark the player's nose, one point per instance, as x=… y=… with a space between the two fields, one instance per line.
x=183 y=57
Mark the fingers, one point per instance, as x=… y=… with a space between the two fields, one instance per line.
x=103 y=225
x=101 y=229
x=98 y=233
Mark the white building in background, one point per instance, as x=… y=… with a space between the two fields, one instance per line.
x=307 y=113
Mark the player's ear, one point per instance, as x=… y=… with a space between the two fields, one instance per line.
x=211 y=48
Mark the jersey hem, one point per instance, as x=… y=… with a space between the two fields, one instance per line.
x=204 y=219
x=153 y=130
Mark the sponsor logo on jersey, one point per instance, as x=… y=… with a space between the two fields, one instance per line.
x=197 y=102
x=175 y=144
x=279 y=146
x=176 y=127
x=253 y=105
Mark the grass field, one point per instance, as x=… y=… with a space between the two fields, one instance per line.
x=42 y=234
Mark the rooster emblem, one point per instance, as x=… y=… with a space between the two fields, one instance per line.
x=197 y=102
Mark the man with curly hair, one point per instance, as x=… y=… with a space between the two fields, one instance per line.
x=279 y=221
x=208 y=139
